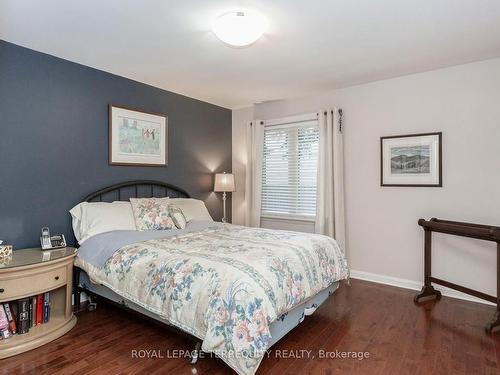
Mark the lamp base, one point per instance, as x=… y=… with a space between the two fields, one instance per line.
x=224 y=219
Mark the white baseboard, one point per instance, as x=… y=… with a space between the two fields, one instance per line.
x=414 y=285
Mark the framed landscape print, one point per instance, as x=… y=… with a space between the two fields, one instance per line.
x=137 y=137
x=411 y=160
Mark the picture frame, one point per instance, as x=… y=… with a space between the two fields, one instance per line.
x=412 y=160
x=137 y=138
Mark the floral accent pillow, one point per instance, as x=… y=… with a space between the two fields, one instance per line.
x=177 y=216
x=151 y=214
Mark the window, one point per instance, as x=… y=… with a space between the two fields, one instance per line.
x=289 y=170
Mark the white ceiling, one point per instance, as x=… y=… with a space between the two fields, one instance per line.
x=311 y=46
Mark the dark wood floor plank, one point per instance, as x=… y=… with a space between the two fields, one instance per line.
x=445 y=337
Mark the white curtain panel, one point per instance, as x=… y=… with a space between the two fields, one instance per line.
x=330 y=216
x=253 y=173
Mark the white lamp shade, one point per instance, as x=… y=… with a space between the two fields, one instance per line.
x=224 y=182
x=239 y=28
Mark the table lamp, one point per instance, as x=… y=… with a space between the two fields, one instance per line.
x=224 y=183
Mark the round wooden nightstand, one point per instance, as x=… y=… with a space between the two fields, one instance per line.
x=31 y=272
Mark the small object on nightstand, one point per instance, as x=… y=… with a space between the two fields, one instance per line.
x=49 y=242
x=224 y=183
x=5 y=254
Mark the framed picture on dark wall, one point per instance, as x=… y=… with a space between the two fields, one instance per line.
x=137 y=137
x=411 y=160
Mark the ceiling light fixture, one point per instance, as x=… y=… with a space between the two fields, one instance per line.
x=239 y=28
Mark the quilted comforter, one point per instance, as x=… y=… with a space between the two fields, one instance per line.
x=224 y=285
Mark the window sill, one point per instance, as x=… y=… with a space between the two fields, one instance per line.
x=307 y=219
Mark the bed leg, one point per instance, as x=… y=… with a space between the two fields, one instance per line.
x=195 y=353
x=76 y=289
x=92 y=303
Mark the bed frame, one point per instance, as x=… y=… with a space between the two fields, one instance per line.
x=148 y=189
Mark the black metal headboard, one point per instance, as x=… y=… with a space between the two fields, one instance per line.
x=136 y=189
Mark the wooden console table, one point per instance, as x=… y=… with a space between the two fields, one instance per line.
x=29 y=273
x=477 y=231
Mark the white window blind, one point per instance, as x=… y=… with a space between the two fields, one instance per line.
x=289 y=170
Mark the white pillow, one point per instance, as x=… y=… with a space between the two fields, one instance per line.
x=193 y=209
x=93 y=218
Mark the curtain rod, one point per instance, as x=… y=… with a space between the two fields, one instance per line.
x=341 y=118
x=290 y=120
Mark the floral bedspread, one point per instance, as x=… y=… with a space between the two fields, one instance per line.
x=225 y=285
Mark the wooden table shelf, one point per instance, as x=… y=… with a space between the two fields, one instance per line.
x=458 y=228
x=30 y=273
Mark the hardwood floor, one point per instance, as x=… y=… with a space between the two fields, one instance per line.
x=446 y=337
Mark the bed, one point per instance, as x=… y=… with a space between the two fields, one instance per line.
x=238 y=290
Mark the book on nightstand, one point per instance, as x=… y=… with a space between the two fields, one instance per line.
x=4 y=324
x=30 y=313
x=39 y=309
x=11 y=318
x=13 y=310
x=46 y=307
x=23 y=320
x=34 y=309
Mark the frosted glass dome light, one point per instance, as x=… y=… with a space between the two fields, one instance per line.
x=239 y=28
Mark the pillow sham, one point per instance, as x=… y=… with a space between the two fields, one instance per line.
x=193 y=209
x=93 y=218
x=151 y=214
x=177 y=216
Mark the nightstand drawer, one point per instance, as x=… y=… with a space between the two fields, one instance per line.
x=32 y=284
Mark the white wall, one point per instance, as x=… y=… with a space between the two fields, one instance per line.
x=382 y=232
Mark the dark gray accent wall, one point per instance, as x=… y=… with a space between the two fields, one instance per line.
x=54 y=140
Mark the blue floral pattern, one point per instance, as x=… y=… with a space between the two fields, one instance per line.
x=240 y=320
x=291 y=282
x=123 y=260
x=174 y=280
